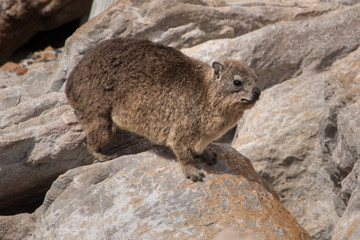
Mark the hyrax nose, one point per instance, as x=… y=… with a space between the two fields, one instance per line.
x=256 y=92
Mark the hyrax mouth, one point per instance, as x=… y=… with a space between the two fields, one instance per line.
x=255 y=96
x=247 y=101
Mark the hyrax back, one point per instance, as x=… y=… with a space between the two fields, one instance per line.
x=159 y=93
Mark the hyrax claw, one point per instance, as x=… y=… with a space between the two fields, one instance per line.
x=191 y=172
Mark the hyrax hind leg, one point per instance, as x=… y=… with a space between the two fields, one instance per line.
x=98 y=133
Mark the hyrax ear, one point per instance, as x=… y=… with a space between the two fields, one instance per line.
x=218 y=68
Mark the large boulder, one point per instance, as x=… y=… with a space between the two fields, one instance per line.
x=20 y=20
x=280 y=136
x=146 y=196
x=341 y=142
x=39 y=140
x=282 y=51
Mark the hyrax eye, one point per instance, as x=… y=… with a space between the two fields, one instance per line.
x=237 y=83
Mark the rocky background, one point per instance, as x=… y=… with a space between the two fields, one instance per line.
x=303 y=135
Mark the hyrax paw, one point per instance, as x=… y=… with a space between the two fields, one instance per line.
x=209 y=157
x=100 y=157
x=191 y=172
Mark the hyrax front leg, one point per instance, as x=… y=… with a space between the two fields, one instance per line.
x=185 y=157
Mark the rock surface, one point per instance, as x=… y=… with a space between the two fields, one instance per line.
x=39 y=140
x=280 y=136
x=341 y=143
x=16 y=88
x=98 y=6
x=146 y=196
x=282 y=51
x=37 y=130
x=20 y=20
x=16 y=227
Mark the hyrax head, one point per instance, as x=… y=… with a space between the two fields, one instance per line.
x=236 y=84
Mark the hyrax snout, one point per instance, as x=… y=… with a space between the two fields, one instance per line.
x=158 y=92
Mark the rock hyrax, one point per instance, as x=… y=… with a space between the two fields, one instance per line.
x=159 y=93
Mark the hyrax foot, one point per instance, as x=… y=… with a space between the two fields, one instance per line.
x=209 y=157
x=191 y=172
x=100 y=157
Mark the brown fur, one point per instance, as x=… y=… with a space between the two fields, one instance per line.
x=159 y=93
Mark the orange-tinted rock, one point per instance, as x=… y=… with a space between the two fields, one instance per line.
x=49 y=48
x=21 y=70
x=45 y=56
x=10 y=66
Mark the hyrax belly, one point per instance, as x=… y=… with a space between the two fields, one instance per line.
x=141 y=123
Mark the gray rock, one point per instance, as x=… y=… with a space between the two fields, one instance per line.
x=15 y=89
x=18 y=227
x=39 y=140
x=341 y=142
x=98 y=6
x=282 y=51
x=280 y=136
x=11 y=90
x=10 y=97
x=348 y=227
